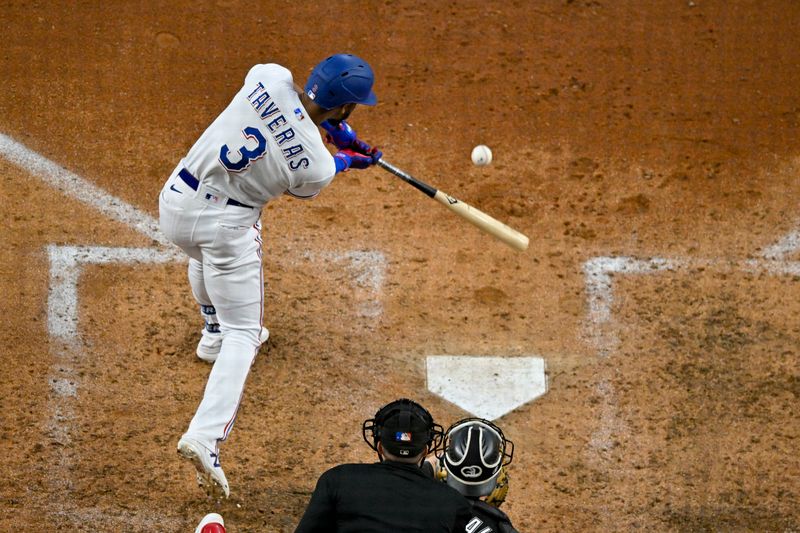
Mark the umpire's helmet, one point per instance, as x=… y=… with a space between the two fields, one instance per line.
x=475 y=450
x=404 y=428
x=341 y=79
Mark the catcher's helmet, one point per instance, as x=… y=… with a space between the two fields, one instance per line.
x=404 y=428
x=475 y=450
x=341 y=79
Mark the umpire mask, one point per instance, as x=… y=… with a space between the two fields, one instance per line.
x=404 y=428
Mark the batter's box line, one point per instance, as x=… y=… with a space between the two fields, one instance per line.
x=78 y=188
x=788 y=244
x=66 y=263
x=599 y=273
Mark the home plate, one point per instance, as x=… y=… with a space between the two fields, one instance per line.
x=487 y=387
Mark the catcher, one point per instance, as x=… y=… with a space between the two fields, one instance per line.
x=475 y=456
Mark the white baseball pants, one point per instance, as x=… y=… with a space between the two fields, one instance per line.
x=224 y=245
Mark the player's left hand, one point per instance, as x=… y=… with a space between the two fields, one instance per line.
x=343 y=136
x=339 y=134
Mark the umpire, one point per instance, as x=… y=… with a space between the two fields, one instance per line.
x=394 y=494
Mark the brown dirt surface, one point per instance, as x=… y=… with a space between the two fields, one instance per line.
x=661 y=129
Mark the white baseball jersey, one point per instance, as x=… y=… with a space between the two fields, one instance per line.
x=263 y=144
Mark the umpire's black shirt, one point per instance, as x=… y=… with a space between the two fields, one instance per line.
x=383 y=497
x=488 y=519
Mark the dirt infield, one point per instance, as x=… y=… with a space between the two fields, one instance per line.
x=650 y=153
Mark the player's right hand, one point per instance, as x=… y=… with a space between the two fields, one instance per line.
x=353 y=159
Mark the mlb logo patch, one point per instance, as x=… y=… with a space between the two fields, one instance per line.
x=299 y=114
x=213 y=198
x=402 y=437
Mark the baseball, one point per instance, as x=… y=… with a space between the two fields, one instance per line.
x=481 y=155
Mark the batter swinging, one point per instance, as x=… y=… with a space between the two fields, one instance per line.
x=264 y=144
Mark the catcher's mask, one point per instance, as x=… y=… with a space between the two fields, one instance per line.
x=475 y=450
x=404 y=428
x=341 y=79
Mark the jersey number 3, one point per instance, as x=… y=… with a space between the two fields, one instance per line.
x=248 y=154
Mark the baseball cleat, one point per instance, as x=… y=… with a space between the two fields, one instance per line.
x=211 y=523
x=209 y=472
x=210 y=343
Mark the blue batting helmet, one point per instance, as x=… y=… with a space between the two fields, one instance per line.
x=341 y=79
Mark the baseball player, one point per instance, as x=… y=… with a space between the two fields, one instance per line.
x=265 y=144
x=475 y=456
x=394 y=494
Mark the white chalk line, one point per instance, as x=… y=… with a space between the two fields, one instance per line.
x=367 y=269
x=600 y=333
x=123 y=520
x=788 y=245
x=63 y=376
x=599 y=273
x=80 y=189
x=65 y=268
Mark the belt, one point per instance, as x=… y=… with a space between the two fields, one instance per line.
x=193 y=182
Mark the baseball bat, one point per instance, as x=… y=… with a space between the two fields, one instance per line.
x=508 y=235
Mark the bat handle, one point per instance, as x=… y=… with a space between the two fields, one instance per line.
x=408 y=178
x=391 y=168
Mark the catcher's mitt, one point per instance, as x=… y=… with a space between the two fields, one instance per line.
x=498 y=495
